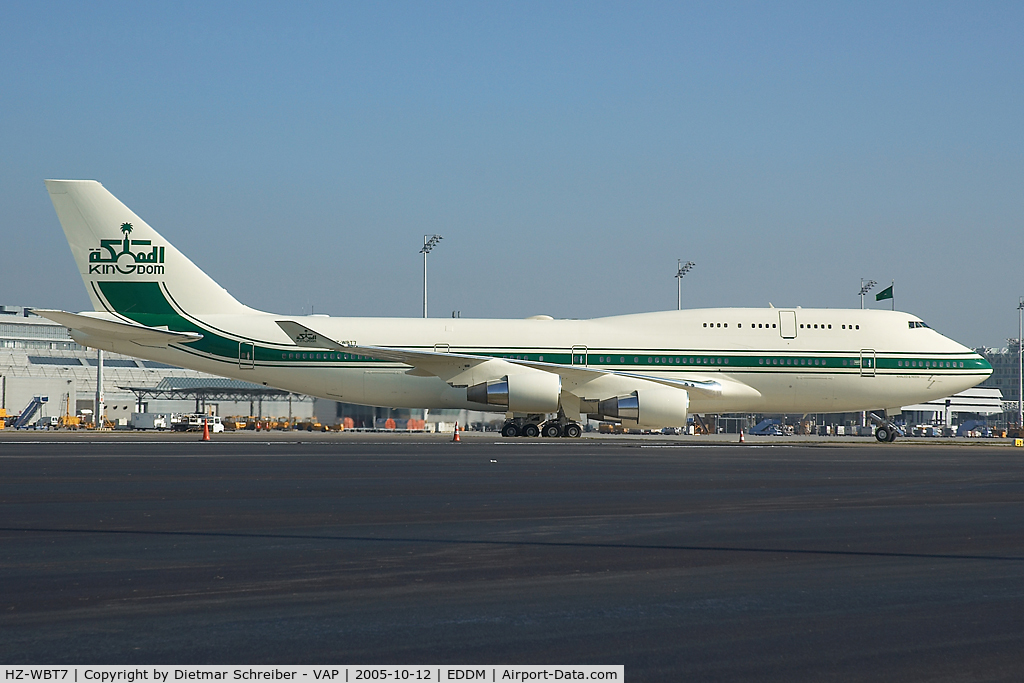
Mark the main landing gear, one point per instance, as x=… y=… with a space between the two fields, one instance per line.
x=534 y=426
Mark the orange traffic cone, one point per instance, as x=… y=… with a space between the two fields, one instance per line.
x=456 y=439
x=206 y=430
x=741 y=436
x=257 y=425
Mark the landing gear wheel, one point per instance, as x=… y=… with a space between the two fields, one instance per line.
x=510 y=429
x=884 y=434
x=892 y=435
x=531 y=430
x=572 y=431
x=551 y=430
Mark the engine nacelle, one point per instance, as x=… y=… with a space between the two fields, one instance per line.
x=649 y=407
x=535 y=391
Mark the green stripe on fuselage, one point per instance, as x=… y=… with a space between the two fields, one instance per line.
x=145 y=303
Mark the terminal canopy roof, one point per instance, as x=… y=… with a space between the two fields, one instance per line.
x=207 y=388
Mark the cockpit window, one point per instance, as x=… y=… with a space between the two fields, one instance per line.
x=917 y=323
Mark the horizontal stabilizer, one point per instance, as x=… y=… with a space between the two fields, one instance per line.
x=114 y=330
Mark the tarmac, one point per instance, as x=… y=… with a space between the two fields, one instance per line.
x=681 y=558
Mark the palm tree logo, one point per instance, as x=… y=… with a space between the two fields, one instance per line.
x=126 y=228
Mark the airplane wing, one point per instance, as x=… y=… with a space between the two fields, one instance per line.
x=112 y=329
x=460 y=369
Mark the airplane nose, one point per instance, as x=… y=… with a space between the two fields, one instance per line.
x=983 y=364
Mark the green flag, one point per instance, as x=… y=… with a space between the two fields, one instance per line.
x=884 y=294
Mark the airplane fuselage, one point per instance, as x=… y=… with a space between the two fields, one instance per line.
x=831 y=360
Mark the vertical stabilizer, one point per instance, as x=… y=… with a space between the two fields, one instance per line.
x=126 y=265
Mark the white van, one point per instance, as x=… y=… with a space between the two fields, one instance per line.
x=52 y=422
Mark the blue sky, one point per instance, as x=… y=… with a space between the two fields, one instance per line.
x=569 y=153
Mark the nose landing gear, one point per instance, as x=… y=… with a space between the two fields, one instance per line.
x=885 y=431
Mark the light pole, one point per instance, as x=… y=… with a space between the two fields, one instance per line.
x=1020 y=364
x=681 y=270
x=429 y=242
x=865 y=287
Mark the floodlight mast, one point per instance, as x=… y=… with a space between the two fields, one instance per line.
x=865 y=287
x=681 y=270
x=429 y=242
x=1020 y=364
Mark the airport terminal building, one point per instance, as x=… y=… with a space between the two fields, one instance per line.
x=1005 y=372
x=39 y=358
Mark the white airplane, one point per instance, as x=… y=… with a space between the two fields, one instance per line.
x=646 y=370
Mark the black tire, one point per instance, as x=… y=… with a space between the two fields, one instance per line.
x=510 y=430
x=883 y=433
x=892 y=434
x=572 y=431
x=552 y=430
x=531 y=430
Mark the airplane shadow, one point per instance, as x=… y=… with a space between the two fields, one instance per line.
x=514 y=543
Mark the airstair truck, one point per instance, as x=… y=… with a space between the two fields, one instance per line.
x=25 y=419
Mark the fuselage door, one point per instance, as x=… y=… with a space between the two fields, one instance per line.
x=787 y=324
x=867 y=362
x=442 y=348
x=246 y=355
x=579 y=355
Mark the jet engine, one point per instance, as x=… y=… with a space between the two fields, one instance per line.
x=529 y=392
x=649 y=407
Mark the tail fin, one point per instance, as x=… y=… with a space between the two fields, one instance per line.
x=127 y=266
